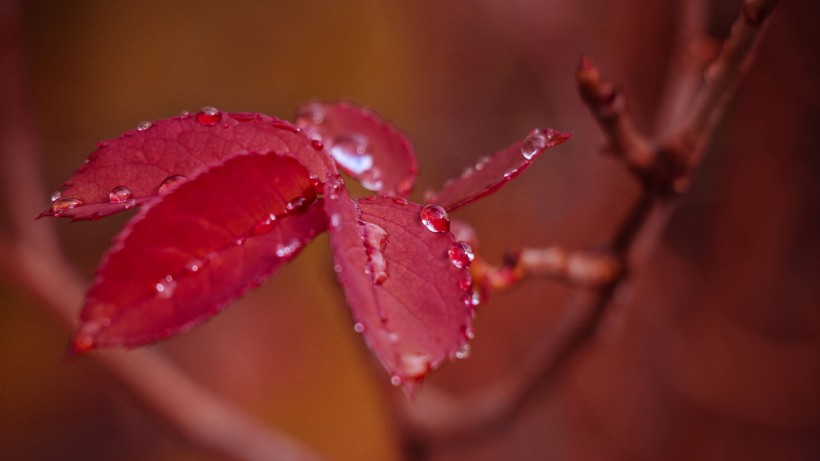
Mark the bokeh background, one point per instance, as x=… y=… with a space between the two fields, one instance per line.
x=712 y=351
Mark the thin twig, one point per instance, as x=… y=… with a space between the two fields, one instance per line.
x=33 y=260
x=442 y=418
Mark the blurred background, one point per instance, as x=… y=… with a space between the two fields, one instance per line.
x=712 y=351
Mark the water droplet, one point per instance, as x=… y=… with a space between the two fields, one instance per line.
x=144 y=126
x=209 y=116
x=83 y=344
x=183 y=115
x=170 y=183
x=464 y=351
x=461 y=254
x=482 y=162
x=55 y=196
x=285 y=251
x=335 y=221
x=510 y=173
x=350 y=152
x=475 y=300
x=469 y=332
x=435 y=218
x=396 y=380
x=358 y=327
x=372 y=180
x=120 y=194
x=317 y=184
x=375 y=241
x=337 y=268
x=533 y=143
x=284 y=125
x=310 y=114
x=466 y=283
x=62 y=204
x=415 y=365
x=165 y=287
x=295 y=204
x=317 y=144
x=400 y=201
x=264 y=226
x=194 y=266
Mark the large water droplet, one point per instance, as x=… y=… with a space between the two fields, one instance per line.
x=461 y=254
x=170 y=183
x=533 y=143
x=350 y=152
x=375 y=241
x=144 y=126
x=165 y=288
x=61 y=205
x=209 y=116
x=435 y=218
x=120 y=194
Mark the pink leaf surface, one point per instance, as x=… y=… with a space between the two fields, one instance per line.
x=408 y=287
x=366 y=147
x=133 y=169
x=490 y=173
x=198 y=247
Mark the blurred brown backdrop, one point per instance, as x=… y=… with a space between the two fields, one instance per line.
x=712 y=351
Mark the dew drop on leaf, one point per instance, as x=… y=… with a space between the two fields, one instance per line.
x=165 y=287
x=170 y=183
x=120 y=194
x=375 y=241
x=62 y=204
x=209 y=116
x=264 y=226
x=461 y=254
x=533 y=143
x=351 y=152
x=435 y=218
x=296 y=204
x=464 y=351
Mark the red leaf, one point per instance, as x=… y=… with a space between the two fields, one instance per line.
x=412 y=303
x=369 y=149
x=490 y=173
x=131 y=170
x=190 y=253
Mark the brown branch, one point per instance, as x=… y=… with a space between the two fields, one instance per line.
x=33 y=260
x=442 y=418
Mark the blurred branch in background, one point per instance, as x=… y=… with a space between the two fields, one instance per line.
x=661 y=165
x=32 y=258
